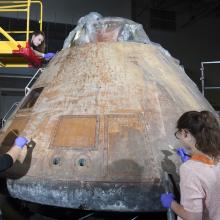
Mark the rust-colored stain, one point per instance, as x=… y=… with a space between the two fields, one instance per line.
x=75 y=132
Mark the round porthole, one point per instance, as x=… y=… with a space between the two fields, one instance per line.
x=56 y=161
x=82 y=162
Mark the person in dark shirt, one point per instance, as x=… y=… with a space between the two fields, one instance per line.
x=8 y=159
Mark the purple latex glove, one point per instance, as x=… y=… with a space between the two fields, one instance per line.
x=166 y=199
x=20 y=141
x=182 y=153
x=48 y=56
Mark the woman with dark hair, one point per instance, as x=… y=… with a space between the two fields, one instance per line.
x=37 y=43
x=200 y=173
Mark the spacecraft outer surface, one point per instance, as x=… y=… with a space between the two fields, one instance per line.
x=103 y=117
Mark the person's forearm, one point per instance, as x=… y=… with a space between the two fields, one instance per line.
x=39 y=54
x=179 y=210
x=182 y=213
x=14 y=152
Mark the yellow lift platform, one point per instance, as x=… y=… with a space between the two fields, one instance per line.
x=18 y=53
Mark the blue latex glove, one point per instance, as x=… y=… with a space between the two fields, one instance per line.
x=48 y=56
x=20 y=141
x=182 y=153
x=166 y=199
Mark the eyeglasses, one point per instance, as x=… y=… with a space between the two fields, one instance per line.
x=179 y=132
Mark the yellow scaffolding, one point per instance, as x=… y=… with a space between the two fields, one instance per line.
x=7 y=58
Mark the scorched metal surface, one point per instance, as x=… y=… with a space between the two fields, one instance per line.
x=103 y=117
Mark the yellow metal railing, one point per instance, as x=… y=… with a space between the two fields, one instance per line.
x=4 y=33
x=21 y=6
x=8 y=57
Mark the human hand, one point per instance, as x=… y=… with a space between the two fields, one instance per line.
x=20 y=141
x=48 y=56
x=166 y=200
x=182 y=153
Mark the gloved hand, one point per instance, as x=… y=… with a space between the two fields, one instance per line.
x=182 y=153
x=20 y=141
x=166 y=199
x=48 y=56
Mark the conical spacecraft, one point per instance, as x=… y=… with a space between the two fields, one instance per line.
x=102 y=114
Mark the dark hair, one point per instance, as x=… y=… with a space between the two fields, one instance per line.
x=205 y=127
x=41 y=47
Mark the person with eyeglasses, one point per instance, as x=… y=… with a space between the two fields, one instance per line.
x=200 y=171
x=8 y=159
